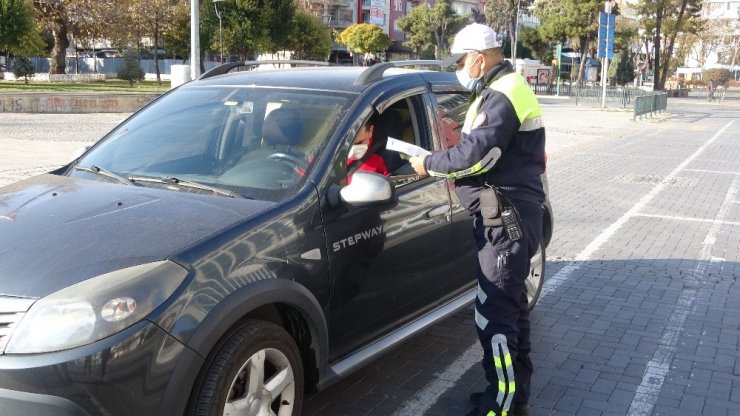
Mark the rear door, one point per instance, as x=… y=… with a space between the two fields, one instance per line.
x=450 y=105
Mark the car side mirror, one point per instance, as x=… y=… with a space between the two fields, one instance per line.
x=368 y=189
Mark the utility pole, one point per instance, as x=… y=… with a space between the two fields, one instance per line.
x=559 y=53
x=194 y=39
x=516 y=35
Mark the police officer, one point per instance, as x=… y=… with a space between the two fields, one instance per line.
x=497 y=168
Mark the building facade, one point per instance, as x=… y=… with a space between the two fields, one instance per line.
x=340 y=14
x=725 y=15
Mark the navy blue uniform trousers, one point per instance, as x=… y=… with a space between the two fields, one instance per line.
x=502 y=316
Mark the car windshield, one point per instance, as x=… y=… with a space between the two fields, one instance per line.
x=255 y=142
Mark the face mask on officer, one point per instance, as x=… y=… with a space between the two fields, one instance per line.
x=463 y=74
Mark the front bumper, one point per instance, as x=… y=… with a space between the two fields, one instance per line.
x=17 y=403
x=131 y=372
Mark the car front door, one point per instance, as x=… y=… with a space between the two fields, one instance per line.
x=388 y=266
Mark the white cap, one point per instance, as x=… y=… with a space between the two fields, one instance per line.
x=473 y=37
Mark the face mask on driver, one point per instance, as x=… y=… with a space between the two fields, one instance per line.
x=357 y=151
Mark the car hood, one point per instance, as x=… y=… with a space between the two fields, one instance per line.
x=56 y=231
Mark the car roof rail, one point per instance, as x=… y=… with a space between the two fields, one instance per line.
x=226 y=68
x=375 y=72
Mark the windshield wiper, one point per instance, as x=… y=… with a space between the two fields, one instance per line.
x=184 y=183
x=104 y=172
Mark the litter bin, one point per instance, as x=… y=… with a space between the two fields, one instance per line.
x=180 y=74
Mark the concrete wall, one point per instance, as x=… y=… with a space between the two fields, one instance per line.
x=73 y=103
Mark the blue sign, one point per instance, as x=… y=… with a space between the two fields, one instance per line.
x=607 y=19
x=606 y=35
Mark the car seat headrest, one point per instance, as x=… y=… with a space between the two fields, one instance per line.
x=282 y=126
x=388 y=124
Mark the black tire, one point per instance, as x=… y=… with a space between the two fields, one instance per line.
x=536 y=277
x=225 y=380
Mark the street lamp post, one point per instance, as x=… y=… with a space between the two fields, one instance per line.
x=220 y=29
x=516 y=35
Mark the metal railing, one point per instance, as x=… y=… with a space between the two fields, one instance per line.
x=591 y=94
x=720 y=94
x=111 y=66
x=649 y=104
x=619 y=96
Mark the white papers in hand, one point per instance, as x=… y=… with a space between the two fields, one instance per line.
x=405 y=148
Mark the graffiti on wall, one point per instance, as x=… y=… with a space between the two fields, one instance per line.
x=70 y=103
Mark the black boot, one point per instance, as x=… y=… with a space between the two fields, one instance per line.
x=520 y=409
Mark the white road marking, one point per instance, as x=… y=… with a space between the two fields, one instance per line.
x=657 y=368
x=688 y=219
x=564 y=274
x=424 y=399
x=724 y=172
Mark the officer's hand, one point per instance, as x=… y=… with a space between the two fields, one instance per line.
x=417 y=162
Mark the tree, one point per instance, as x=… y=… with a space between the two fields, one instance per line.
x=720 y=76
x=541 y=48
x=418 y=33
x=727 y=51
x=477 y=16
x=177 y=34
x=365 y=38
x=152 y=17
x=89 y=21
x=666 y=19
x=31 y=43
x=432 y=27
x=503 y=16
x=570 y=20
x=53 y=16
x=252 y=27
x=706 y=41
x=309 y=37
x=622 y=68
x=19 y=34
x=23 y=68
x=131 y=70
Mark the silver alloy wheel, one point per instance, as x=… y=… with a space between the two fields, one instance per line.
x=264 y=386
x=535 y=279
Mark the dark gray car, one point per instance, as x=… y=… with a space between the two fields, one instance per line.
x=207 y=257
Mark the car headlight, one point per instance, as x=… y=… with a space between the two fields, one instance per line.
x=95 y=308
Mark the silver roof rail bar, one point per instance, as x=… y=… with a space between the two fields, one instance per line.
x=226 y=68
x=375 y=72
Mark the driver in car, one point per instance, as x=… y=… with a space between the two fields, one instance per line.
x=363 y=155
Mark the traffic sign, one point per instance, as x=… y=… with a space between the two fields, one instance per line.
x=606 y=35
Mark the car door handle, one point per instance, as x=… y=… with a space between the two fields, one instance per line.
x=438 y=211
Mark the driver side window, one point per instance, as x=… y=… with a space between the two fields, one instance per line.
x=411 y=129
x=382 y=143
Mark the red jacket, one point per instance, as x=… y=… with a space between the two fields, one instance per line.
x=374 y=163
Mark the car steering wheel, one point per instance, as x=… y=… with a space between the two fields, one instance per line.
x=294 y=160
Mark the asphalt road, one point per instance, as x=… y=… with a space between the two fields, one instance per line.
x=640 y=314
